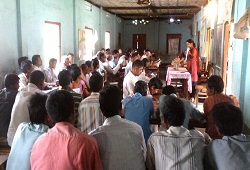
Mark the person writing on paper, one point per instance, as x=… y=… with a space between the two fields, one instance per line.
x=193 y=64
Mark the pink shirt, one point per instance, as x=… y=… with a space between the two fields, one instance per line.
x=65 y=147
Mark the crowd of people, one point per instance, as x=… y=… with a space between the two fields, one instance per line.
x=88 y=123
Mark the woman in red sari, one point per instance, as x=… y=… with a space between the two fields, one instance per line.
x=193 y=64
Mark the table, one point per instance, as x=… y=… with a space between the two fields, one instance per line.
x=181 y=73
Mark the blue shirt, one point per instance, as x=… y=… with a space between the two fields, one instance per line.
x=139 y=109
x=23 y=141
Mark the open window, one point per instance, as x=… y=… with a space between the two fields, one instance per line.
x=107 y=40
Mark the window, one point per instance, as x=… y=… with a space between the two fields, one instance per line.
x=89 y=44
x=52 y=42
x=107 y=40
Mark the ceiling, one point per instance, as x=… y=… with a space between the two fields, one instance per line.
x=151 y=9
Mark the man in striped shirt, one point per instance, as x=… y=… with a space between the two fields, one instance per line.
x=90 y=116
x=215 y=86
x=177 y=147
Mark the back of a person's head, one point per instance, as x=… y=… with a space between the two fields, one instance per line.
x=135 y=54
x=88 y=63
x=84 y=67
x=173 y=111
x=37 y=77
x=141 y=87
x=60 y=106
x=21 y=59
x=37 y=109
x=228 y=118
x=10 y=80
x=96 y=82
x=215 y=82
x=110 y=100
x=35 y=58
x=137 y=63
x=26 y=65
x=64 y=78
x=95 y=63
x=145 y=61
x=167 y=90
x=156 y=82
x=75 y=72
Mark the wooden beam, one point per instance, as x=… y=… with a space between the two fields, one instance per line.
x=159 y=14
x=151 y=7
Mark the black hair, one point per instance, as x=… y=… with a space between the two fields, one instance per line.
x=75 y=73
x=191 y=42
x=134 y=55
x=145 y=61
x=64 y=78
x=228 y=118
x=110 y=100
x=21 y=59
x=10 y=79
x=155 y=82
x=215 y=82
x=88 y=63
x=141 y=87
x=96 y=82
x=173 y=111
x=84 y=67
x=137 y=63
x=100 y=55
x=37 y=77
x=60 y=106
x=35 y=58
x=95 y=63
x=37 y=109
x=115 y=51
x=26 y=65
x=167 y=90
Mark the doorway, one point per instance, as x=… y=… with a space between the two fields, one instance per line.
x=139 y=42
x=225 y=58
x=173 y=44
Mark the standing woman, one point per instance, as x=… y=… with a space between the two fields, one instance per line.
x=193 y=64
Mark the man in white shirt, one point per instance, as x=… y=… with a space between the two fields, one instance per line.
x=20 y=112
x=123 y=60
x=37 y=62
x=177 y=147
x=121 y=142
x=135 y=56
x=50 y=76
x=115 y=57
x=132 y=77
x=26 y=68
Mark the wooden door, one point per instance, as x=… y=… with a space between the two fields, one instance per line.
x=173 y=44
x=139 y=42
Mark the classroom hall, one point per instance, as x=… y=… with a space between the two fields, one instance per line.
x=54 y=29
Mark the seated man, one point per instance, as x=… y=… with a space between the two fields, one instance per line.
x=177 y=147
x=65 y=80
x=20 y=111
x=191 y=111
x=27 y=133
x=120 y=141
x=7 y=99
x=233 y=150
x=37 y=62
x=139 y=108
x=90 y=116
x=215 y=86
x=132 y=77
x=134 y=56
x=50 y=75
x=26 y=69
x=64 y=146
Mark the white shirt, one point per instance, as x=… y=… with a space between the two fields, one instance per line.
x=121 y=144
x=129 y=83
x=23 y=81
x=128 y=67
x=20 y=111
x=122 y=60
x=176 y=148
